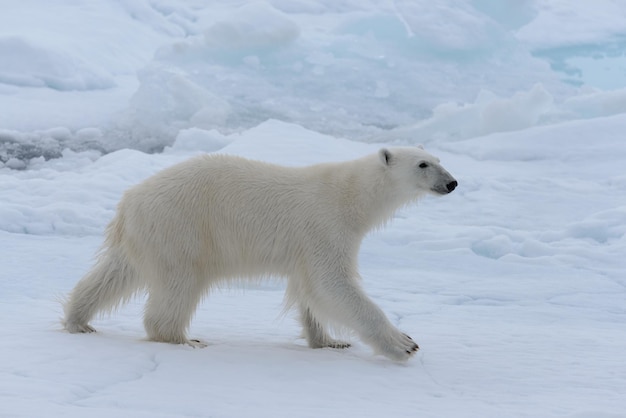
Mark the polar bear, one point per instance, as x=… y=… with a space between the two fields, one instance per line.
x=217 y=218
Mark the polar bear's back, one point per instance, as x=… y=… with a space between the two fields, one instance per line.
x=253 y=215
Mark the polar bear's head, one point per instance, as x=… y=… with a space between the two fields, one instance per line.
x=417 y=172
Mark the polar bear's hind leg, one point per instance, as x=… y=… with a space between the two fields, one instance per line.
x=172 y=301
x=315 y=334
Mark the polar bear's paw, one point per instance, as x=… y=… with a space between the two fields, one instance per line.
x=412 y=346
x=397 y=346
x=195 y=343
x=74 y=328
x=330 y=343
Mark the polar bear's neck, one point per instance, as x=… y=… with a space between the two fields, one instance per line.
x=365 y=192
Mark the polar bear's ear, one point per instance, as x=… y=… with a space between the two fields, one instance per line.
x=420 y=146
x=385 y=156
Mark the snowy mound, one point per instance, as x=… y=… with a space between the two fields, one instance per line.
x=365 y=73
x=34 y=66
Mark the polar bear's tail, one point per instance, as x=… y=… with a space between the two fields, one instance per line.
x=110 y=283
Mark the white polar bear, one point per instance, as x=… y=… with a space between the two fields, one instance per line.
x=216 y=218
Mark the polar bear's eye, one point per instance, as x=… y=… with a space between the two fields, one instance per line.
x=423 y=165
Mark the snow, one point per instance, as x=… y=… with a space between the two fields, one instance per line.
x=583 y=24
x=513 y=285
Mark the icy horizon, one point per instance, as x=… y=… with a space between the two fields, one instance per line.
x=393 y=71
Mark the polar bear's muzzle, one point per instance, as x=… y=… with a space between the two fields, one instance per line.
x=451 y=186
x=445 y=187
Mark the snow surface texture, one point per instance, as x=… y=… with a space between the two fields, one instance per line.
x=514 y=285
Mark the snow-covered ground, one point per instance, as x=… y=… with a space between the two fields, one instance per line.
x=514 y=285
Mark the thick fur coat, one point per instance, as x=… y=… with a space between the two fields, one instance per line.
x=216 y=218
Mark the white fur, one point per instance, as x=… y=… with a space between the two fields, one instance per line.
x=216 y=218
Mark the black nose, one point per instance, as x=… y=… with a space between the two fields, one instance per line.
x=451 y=186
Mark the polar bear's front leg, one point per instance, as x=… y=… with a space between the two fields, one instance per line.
x=351 y=307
